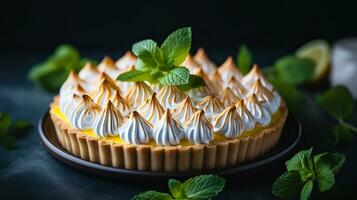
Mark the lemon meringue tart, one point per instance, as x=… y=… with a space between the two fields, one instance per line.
x=141 y=126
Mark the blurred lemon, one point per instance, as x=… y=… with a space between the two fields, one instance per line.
x=318 y=51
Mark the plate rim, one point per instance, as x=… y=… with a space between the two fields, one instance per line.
x=83 y=165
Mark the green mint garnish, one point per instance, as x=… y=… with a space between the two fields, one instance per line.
x=162 y=64
x=338 y=102
x=10 y=130
x=199 y=187
x=295 y=70
x=303 y=170
x=244 y=59
x=51 y=73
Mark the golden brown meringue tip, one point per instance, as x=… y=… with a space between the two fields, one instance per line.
x=88 y=101
x=190 y=63
x=201 y=54
x=79 y=89
x=234 y=84
x=106 y=63
x=259 y=89
x=127 y=56
x=228 y=97
x=228 y=63
x=89 y=66
x=253 y=98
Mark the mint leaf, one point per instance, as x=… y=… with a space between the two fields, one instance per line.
x=194 y=81
x=340 y=135
x=295 y=70
x=204 y=187
x=152 y=195
x=135 y=75
x=244 y=59
x=177 y=45
x=146 y=50
x=175 y=188
x=287 y=185
x=333 y=160
x=306 y=190
x=325 y=177
x=177 y=76
x=300 y=161
x=5 y=122
x=337 y=101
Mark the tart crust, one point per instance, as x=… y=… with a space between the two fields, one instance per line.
x=218 y=154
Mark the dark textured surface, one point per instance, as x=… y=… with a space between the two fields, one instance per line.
x=30 y=172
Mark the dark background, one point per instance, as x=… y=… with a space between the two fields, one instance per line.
x=33 y=27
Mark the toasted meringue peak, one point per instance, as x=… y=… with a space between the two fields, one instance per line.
x=89 y=72
x=254 y=74
x=236 y=87
x=68 y=104
x=67 y=95
x=211 y=105
x=229 y=69
x=151 y=109
x=198 y=93
x=184 y=111
x=269 y=99
x=125 y=62
x=170 y=95
x=108 y=121
x=217 y=81
x=136 y=130
x=199 y=130
x=191 y=64
x=260 y=113
x=229 y=98
x=108 y=66
x=207 y=65
x=137 y=94
x=246 y=116
x=120 y=103
x=228 y=123
x=168 y=131
x=103 y=92
x=84 y=114
x=72 y=81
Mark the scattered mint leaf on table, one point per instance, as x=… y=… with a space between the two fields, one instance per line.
x=162 y=64
x=303 y=169
x=9 y=130
x=295 y=70
x=339 y=135
x=196 y=188
x=244 y=59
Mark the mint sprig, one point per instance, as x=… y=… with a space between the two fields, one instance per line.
x=196 y=188
x=303 y=170
x=244 y=59
x=162 y=64
x=9 y=130
x=339 y=103
x=51 y=73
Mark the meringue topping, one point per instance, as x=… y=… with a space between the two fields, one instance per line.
x=89 y=72
x=217 y=81
x=104 y=91
x=207 y=65
x=198 y=93
x=236 y=87
x=168 y=131
x=151 y=109
x=254 y=74
x=229 y=98
x=170 y=95
x=136 y=130
x=259 y=112
x=137 y=94
x=71 y=82
x=229 y=69
x=120 y=103
x=191 y=64
x=211 y=105
x=184 y=111
x=126 y=62
x=246 y=116
x=108 y=66
x=108 y=121
x=70 y=103
x=269 y=99
x=84 y=114
x=199 y=130
x=67 y=96
x=228 y=123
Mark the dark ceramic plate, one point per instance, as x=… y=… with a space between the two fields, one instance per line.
x=289 y=139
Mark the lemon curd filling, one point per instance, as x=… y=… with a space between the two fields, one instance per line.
x=217 y=137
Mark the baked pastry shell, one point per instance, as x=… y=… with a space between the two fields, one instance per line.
x=216 y=155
